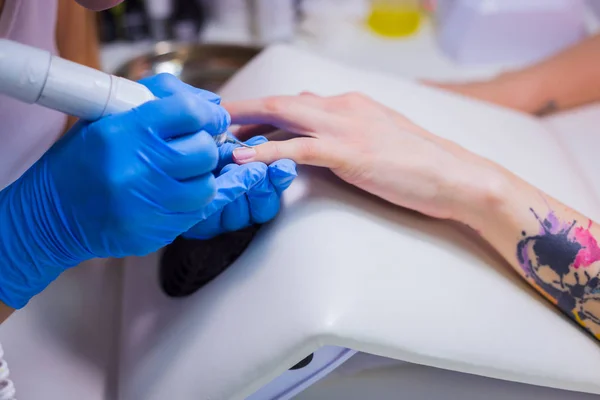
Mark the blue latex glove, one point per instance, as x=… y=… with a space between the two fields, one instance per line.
x=246 y=195
x=115 y=187
x=259 y=202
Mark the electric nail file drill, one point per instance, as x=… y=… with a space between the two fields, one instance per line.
x=37 y=77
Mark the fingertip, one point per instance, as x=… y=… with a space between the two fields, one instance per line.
x=196 y=154
x=285 y=166
x=209 y=96
x=227 y=119
x=244 y=155
x=282 y=173
x=212 y=184
x=215 y=119
x=223 y=119
x=227 y=153
x=194 y=194
x=161 y=85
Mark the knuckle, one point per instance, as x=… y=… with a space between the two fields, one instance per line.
x=307 y=150
x=353 y=100
x=358 y=98
x=191 y=111
x=165 y=79
x=202 y=155
x=188 y=104
x=105 y=130
x=275 y=150
x=274 y=105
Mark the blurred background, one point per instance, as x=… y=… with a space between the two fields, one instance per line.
x=426 y=39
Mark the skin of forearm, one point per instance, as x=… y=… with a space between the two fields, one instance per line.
x=5 y=312
x=553 y=247
x=569 y=79
x=77 y=37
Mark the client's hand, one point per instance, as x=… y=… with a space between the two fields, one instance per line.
x=370 y=146
x=382 y=152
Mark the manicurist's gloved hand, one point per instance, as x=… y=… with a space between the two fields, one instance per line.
x=246 y=195
x=258 y=201
x=127 y=184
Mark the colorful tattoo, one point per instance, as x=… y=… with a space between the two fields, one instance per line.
x=560 y=260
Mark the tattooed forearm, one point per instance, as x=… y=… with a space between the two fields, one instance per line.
x=562 y=262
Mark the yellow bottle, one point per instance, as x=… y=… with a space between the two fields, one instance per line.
x=394 y=18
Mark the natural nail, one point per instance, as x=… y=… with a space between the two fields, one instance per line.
x=244 y=153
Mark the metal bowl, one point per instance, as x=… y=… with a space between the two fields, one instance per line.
x=207 y=66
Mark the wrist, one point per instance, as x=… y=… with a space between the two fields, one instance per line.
x=32 y=253
x=483 y=196
x=5 y=312
x=527 y=88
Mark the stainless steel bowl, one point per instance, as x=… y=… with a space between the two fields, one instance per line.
x=207 y=66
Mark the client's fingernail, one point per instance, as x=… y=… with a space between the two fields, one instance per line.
x=244 y=153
